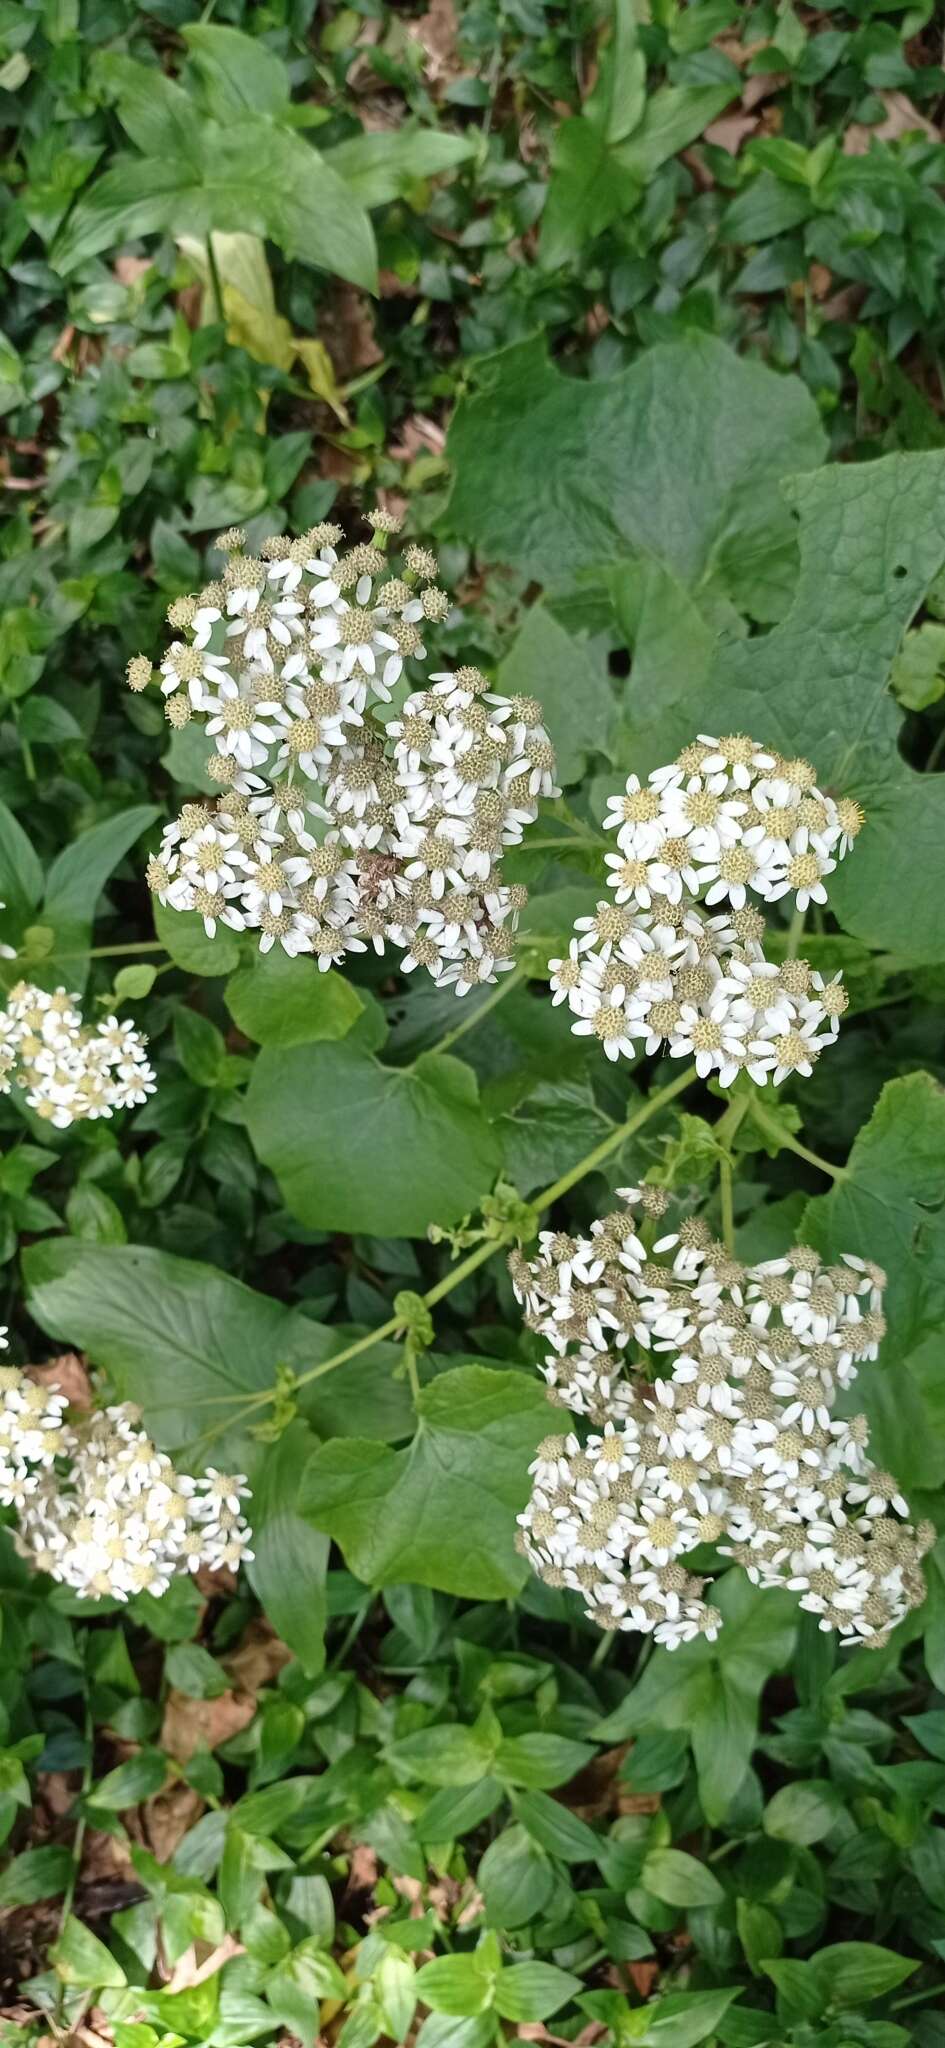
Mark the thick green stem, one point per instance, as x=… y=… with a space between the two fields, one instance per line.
x=470 y=1264
x=725 y=1202
x=474 y=1016
x=795 y=934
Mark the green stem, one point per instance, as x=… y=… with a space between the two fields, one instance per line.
x=770 y=1124
x=79 y=1836
x=795 y=934
x=473 y=1260
x=116 y=952
x=603 y=1650
x=469 y=1022
x=567 y=845
x=215 y=280
x=725 y=1201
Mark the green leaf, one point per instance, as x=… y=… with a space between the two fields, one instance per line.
x=674 y=117
x=683 y=2018
x=442 y=1512
x=337 y=1129
x=677 y=459
x=852 y=1973
x=714 y=1689
x=190 y=1669
x=21 y=875
x=555 y=1828
x=680 y=1880
x=572 y=687
x=199 y=1046
x=619 y=96
x=872 y=538
x=379 y=168
x=538 y=1761
x=240 y=74
x=79 y=873
x=155 y=112
x=448 y=1756
x=515 y=1879
x=179 y=1338
x=250 y=177
x=533 y=1991
x=36 y=1874
x=589 y=188
x=887 y=1207
x=290 y=1560
x=803 y=1812
x=283 y=1002
x=454 y=1985
x=82 y=1961
x=131 y=1782
x=182 y=932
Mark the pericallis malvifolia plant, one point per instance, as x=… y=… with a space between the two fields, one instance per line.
x=341 y=825
x=705 y=1389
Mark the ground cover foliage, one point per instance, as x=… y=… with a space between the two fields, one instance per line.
x=641 y=319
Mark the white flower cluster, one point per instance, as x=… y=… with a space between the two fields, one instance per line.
x=676 y=959
x=732 y=1443
x=349 y=819
x=100 y=1508
x=69 y=1069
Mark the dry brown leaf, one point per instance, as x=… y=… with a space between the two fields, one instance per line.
x=437 y=33
x=259 y=1659
x=105 y=1860
x=346 y=326
x=190 y=1970
x=128 y=269
x=68 y=1373
x=731 y=131
x=902 y=118
x=418 y=435
x=190 y=1725
x=58 y=1791
x=362 y=1869
x=168 y=1817
x=845 y=304
x=761 y=87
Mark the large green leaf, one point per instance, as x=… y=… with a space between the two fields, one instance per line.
x=442 y=1512
x=73 y=887
x=290 y=1557
x=182 y=1339
x=358 y=1146
x=239 y=73
x=278 y=1001
x=79 y=873
x=250 y=176
x=872 y=537
x=572 y=687
x=21 y=874
x=888 y=1207
x=677 y=459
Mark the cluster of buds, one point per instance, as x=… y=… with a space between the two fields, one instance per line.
x=707 y=1391
x=69 y=1069
x=99 y=1507
x=676 y=959
x=350 y=815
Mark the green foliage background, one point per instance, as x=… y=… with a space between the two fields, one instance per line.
x=641 y=315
